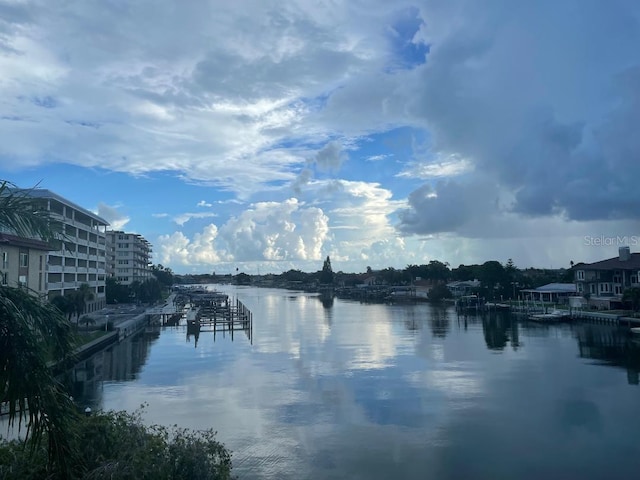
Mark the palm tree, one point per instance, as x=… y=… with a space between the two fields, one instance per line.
x=80 y=299
x=30 y=331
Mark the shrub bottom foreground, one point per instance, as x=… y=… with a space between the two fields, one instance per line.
x=117 y=445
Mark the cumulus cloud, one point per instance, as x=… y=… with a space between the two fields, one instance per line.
x=202 y=203
x=201 y=250
x=270 y=231
x=351 y=222
x=277 y=231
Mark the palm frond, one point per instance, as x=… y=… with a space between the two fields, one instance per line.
x=21 y=214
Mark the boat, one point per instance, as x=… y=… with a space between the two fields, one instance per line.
x=550 y=317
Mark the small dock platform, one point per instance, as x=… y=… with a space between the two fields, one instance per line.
x=221 y=315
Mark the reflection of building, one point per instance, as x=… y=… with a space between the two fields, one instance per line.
x=81 y=258
x=606 y=280
x=23 y=262
x=612 y=346
x=128 y=257
x=120 y=362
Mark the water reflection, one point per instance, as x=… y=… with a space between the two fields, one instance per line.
x=327 y=301
x=439 y=320
x=612 y=346
x=121 y=362
x=496 y=329
x=394 y=391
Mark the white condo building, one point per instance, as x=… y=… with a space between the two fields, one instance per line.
x=128 y=257
x=82 y=256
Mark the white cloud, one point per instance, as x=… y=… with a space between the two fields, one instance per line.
x=518 y=128
x=377 y=158
x=179 y=250
x=270 y=231
x=277 y=231
x=450 y=167
x=117 y=220
x=167 y=92
x=185 y=217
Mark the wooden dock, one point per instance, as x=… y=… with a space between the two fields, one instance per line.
x=220 y=316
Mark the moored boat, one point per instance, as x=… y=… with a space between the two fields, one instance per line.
x=550 y=317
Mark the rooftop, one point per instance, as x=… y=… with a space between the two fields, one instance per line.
x=45 y=193
x=14 y=240
x=554 y=288
x=632 y=263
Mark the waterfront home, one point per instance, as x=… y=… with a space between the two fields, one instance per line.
x=463 y=288
x=604 y=282
x=552 y=292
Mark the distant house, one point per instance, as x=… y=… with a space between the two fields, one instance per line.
x=606 y=280
x=461 y=288
x=552 y=292
x=370 y=280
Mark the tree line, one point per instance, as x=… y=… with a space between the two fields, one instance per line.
x=497 y=280
x=151 y=290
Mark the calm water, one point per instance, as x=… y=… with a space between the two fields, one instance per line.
x=349 y=390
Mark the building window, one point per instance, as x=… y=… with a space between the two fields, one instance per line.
x=605 y=288
x=5 y=260
x=592 y=289
x=24 y=259
x=617 y=289
x=580 y=275
x=634 y=279
x=22 y=279
x=3 y=278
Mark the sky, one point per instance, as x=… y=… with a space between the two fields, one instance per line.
x=265 y=135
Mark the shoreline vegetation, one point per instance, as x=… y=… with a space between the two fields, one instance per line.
x=118 y=445
x=99 y=445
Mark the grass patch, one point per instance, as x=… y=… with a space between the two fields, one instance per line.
x=82 y=338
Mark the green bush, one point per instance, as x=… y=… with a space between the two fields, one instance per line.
x=117 y=445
